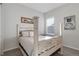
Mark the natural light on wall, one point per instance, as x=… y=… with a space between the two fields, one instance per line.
x=50 y=25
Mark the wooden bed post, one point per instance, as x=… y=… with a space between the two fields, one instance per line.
x=17 y=31
x=35 y=52
x=61 y=37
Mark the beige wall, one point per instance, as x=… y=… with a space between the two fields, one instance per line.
x=70 y=37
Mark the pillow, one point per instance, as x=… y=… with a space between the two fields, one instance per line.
x=31 y=33
x=25 y=33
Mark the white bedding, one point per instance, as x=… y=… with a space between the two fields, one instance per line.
x=27 y=43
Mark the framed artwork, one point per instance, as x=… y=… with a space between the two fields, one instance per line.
x=70 y=23
x=26 y=20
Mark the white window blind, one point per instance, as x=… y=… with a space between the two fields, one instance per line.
x=50 y=26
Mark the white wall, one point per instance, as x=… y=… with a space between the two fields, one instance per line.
x=0 y=29
x=11 y=16
x=71 y=37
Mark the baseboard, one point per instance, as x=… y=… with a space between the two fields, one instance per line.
x=9 y=49
x=71 y=47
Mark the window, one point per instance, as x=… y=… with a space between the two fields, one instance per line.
x=50 y=25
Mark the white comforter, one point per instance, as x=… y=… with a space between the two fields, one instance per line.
x=27 y=43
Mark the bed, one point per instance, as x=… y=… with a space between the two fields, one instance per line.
x=33 y=44
x=46 y=43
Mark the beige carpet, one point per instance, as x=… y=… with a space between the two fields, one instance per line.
x=67 y=52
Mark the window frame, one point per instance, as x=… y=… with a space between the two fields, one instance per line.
x=52 y=25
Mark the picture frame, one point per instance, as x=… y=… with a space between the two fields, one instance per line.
x=26 y=20
x=70 y=22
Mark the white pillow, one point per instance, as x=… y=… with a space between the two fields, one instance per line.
x=25 y=33
x=31 y=33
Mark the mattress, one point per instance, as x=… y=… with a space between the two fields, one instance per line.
x=44 y=43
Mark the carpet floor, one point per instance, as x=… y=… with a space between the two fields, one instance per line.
x=67 y=52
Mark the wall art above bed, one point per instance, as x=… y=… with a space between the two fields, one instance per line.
x=70 y=23
x=26 y=20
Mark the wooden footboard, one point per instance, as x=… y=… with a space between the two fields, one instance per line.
x=56 y=44
x=50 y=51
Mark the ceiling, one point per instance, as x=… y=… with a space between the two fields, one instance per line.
x=43 y=7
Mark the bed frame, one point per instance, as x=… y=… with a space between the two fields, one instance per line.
x=57 y=45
